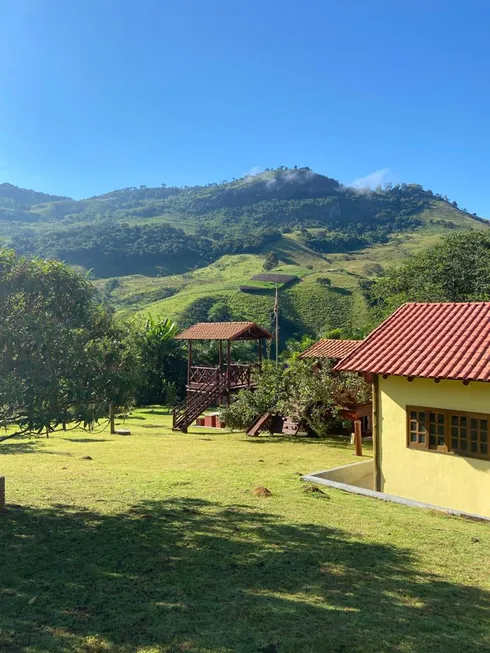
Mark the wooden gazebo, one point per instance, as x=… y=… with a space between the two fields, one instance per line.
x=207 y=385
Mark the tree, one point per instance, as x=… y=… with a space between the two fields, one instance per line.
x=250 y=404
x=324 y=281
x=271 y=261
x=219 y=312
x=197 y=311
x=455 y=270
x=62 y=357
x=162 y=362
x=295 y=347
x=312 y=396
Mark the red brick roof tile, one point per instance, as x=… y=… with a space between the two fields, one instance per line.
x=441 y=341
x=224 y=331
x=329 y=348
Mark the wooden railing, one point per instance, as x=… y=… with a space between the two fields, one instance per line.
x=200 y=375
x=240 y=375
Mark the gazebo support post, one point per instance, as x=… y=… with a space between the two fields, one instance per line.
x=189 y=361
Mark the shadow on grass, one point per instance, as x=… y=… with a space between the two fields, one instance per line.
x=151 y=411
x=35 y=445
x=154 y=426
x=190 y=575
x=331 y=442
x=22 y=446
x=340 y=291
x=90 y=440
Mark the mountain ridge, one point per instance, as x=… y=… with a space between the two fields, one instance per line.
x=281 y=183
x=190 y=253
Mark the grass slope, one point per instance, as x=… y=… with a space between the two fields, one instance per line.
x=307 y=306
x=157 y=545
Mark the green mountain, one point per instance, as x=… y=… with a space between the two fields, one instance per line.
x=15 y=203
x=191 y=252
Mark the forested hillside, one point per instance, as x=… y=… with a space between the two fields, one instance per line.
x=162 y=249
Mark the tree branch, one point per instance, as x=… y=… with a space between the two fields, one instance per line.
x=13 y=435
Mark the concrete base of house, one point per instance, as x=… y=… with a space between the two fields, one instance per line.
x=358 y=478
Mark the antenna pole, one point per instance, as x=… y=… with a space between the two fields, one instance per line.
x=276 y=311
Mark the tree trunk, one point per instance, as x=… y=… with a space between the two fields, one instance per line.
x=112 y=419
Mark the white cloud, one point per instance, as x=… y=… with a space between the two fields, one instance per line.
x=371 y=180
x=253 y=172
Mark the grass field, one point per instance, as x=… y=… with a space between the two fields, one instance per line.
x=156 y=543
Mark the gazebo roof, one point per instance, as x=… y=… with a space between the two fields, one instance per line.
x=329 y=348
x=224 y=331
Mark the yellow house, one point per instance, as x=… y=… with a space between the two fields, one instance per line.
x=430 y=366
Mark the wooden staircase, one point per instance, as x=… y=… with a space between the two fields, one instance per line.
x=197 y=402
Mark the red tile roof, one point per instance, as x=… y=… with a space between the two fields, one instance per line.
x=441 y=341
x=328 y=348
x=224 y=331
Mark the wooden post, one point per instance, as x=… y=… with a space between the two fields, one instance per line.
x=3 y=507
x=189 y=361
x=220 y=357
x=358 y=436
x=375 y=425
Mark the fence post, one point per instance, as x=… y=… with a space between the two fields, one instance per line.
x=358 y=436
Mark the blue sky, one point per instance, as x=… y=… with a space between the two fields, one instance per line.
x=102 y=94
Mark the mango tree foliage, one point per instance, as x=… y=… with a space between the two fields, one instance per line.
x=249 y=405
x=62 y=358
x=308 y=391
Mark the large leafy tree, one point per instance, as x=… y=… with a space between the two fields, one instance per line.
x=455 y=270
x=63 y=360
x=308 y=392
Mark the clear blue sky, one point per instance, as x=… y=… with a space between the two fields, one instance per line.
x=102 y=94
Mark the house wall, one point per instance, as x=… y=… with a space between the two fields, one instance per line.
x=444 y=479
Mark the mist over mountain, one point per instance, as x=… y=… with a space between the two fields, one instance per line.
x=162 y=230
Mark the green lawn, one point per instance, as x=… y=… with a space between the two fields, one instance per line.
x=157 y=544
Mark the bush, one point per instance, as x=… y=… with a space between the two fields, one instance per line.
x=271 y=261
x=324 y=281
